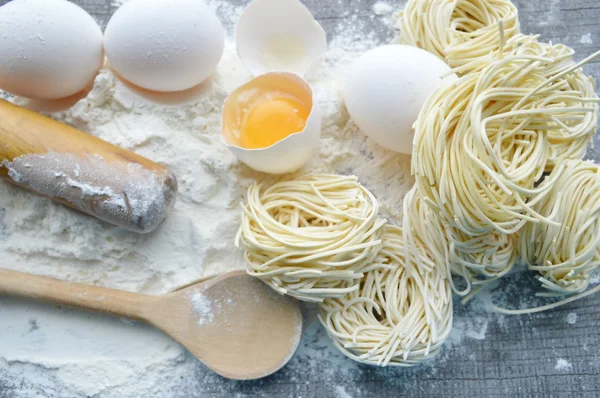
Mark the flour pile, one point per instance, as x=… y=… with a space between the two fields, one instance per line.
x=65 y=352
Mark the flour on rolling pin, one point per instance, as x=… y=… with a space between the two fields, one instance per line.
x=122 y=193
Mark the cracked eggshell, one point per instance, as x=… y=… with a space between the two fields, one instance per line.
x=292 y=152
x=279 y=35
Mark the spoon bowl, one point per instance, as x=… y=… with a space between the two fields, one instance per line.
x=234 y=323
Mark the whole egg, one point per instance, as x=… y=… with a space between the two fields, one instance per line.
x=386 y=89
x=164 y=45
x=49 y=49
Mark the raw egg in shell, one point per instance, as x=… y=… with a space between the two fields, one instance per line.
x=272 y=123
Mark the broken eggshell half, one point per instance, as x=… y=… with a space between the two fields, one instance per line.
x=279 y=35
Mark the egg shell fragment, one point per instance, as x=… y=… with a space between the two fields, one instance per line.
x=292 y=152
x=164 y=45
x=49 y=49
x=279 y=35
x=386 y=88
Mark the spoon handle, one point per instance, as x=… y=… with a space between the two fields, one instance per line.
x=93 y=298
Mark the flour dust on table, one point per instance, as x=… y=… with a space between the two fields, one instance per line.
x=69 y=352
x=52 y=352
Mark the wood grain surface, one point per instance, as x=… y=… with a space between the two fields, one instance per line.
x=517 y=357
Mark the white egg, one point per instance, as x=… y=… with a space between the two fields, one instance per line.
x=49 y=49
x=279 y=35
x=288 y=154
x=164 y=45
x=386 y=89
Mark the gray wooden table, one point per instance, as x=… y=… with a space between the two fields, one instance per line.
x=518 y=355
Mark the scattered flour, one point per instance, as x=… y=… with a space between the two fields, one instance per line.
x=203 y=307
x=586 y=39
x=553 y=15
x=563 y=365
x=473 y=320
x=340 y=392
x=57 y=352
x=382 y=8
x=571 y=318
x=76 y=354
x=595 y=278
x=474 y=328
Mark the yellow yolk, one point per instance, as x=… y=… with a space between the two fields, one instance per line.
x=271 y=119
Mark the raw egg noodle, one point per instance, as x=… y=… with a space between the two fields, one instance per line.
x=400 y=315
x=565 y=255
x=498 y=177
x=424 y=235
x=467 y=198
x=512 y=124
x=565 y=77
x=477 y=260
x=311 y=237
x=520 y=110
x=461 y=32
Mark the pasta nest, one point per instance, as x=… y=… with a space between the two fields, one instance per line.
x=463 y=33
x=480 y=260
x=477 y=260
x=401 y=315
x=578 y=89
x=566 y=254
x=483 y=143
x=311 y=237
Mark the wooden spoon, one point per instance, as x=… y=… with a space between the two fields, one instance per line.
x=233 y=323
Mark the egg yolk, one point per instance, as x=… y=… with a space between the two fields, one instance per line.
x=270 y=119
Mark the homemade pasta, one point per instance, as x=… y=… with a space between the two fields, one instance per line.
x=498 y=178
x=402 y=313
x=477 y=260
x=511 y=123
x=461 y=32
x=566 y=254
x=311 y=237
x=520 y=117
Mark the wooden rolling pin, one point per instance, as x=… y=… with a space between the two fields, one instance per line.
x=82 y=171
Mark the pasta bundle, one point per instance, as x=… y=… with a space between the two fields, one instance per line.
x=498 y=177
x=311 y=237
x=464 y=33
x=483 y=143
x=566 y=254
x=520 y=113
x=571 y=141
x=402 y=313
x=478 y=260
